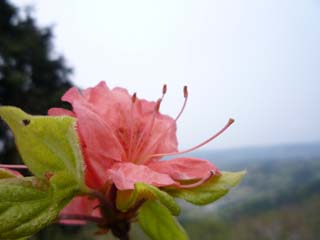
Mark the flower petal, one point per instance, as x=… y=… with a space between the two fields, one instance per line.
x=125 y=175
x=60 y=112
x=162 y=138
x=182 y=169
x=82 y=206
x=72 y=95
x=101 y=148
x=116 y=106
x=159 y=137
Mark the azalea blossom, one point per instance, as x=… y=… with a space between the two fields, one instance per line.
x=123 y=140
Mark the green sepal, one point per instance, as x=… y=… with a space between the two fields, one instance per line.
x=47 y=144
x=129 y=198
x=157 y=222
x=210 y=191
x=28 y=204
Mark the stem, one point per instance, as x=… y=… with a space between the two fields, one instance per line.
x=121 y=230
x=119 y=227
x=106 y=206
x=125 y=237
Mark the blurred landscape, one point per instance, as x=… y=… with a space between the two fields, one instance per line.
x=278 y=199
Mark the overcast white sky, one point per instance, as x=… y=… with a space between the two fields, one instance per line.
x=255 y=61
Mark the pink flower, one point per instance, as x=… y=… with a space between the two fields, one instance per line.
x=123 y=139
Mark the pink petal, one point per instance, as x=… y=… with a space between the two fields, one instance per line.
x=159 y=137
x=72 y=95
x=162 y=138
x=60 y=112
x=125 y=175
x=113 y=105
x=82 y=206
x=101 y=148
x=97 y=96
x=116 y=106
x=181 y=169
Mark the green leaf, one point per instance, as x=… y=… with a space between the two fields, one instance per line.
x=6 y=174
x=128 y=199
x=29 y=204
x=47 y=144
x=157 y=222
x=210 y=191
x=49 y=147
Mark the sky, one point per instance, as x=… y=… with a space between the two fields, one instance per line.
x=254 y=61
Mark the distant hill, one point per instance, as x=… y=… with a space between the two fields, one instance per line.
x=242 y=156
x=278 y=199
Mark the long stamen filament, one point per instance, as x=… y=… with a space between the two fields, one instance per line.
x=230 y=122
x=203 y=180
x=142 y=139
x=147 y=129
x=160 y=136
x=13 y=166
x=185 y=94
x=132 y=122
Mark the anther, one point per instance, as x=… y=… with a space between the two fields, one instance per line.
x=164 y=89
x=185 y=94
x=185 y=91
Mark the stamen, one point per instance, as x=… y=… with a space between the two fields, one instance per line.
x=185 y=91
x=203 y=180
x=185 y=94
x=164 y=89
x=157 y=108
x=160 y=136
x=13 y=166
x=230 y=122
x=132 y=122
x=147 y=129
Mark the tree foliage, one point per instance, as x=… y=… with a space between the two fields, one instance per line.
x=32 y=75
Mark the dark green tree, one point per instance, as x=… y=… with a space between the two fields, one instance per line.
x=32 y=76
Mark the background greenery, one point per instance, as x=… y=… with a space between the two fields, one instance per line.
x=32 y=75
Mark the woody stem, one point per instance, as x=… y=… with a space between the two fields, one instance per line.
x=120 y=227
x=107 y=206
x=125 y=237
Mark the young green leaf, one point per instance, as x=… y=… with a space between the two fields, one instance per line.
x=46 y=144
x=128 y=199
x=210 y=191
x=29 y=204
x=157 y=222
